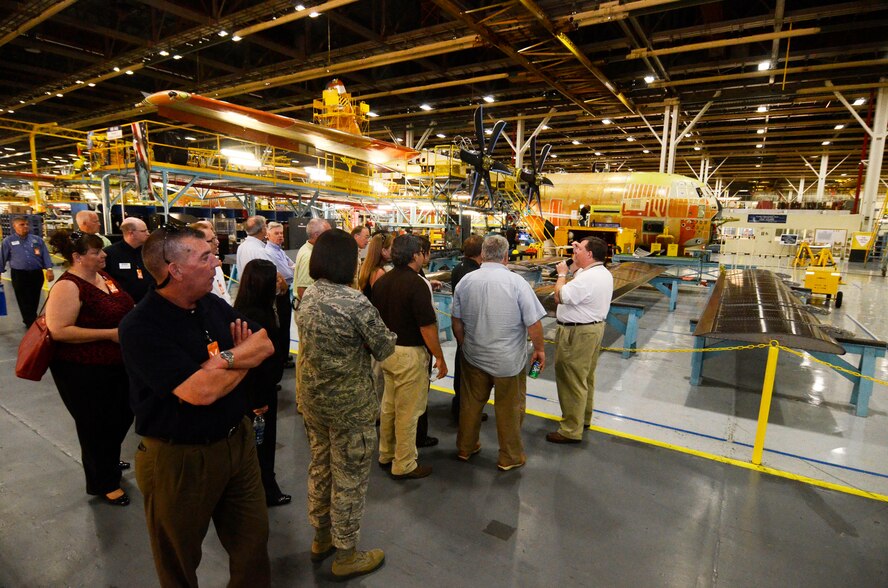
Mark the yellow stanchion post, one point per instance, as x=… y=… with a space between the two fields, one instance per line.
x=765 y=407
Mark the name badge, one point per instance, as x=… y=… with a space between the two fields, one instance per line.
x=213 y=349
x=112 y=287
x=15 y=243
x=125 y=266
x=139 y=273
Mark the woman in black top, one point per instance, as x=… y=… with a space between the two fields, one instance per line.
x=256 y=300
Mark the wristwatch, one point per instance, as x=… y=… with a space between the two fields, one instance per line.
x=229 y=357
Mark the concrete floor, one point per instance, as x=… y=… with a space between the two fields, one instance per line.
x=609 y=512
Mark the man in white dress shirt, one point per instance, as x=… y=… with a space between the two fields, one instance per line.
x=583 y=304
x=253 y=247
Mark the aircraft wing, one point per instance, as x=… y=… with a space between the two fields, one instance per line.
x=627 y=277
x=272 y=129
x=755 y=306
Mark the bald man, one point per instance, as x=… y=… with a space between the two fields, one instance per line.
x=88 y=222
x=124 y=261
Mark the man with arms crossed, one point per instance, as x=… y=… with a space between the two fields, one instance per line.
x=186 y=352
x=583 y=304
x=493 y=312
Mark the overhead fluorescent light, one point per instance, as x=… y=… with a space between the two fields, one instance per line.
x=606 y=121
x=760 y=132
x=645 y=150
x=825 y=143
x=598 y=153
x=314 y=14
x=300 y=7
x=839 y=127
x=859 y=102
x=697 y=148
x=545 y=127
x=425 y=107
x=129 y=72
x=116 y=68
x=177 y=56
x=764 y=66
x=372 y=114
x=79 y=82
x=649 y=79
x=630 y=139
x=163 y=53
x=91 y=85
x=553 y=156
x=575 y=142
x=59 y=95
x=759 y=145
x=762 y=109
x=488 y=98
x=236 y=38
x=190 y=138
x=441 y=136
x=488 y=131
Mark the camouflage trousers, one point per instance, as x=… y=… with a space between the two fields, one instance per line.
x=337 y=479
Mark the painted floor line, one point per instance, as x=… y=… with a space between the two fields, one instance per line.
x=724 y=459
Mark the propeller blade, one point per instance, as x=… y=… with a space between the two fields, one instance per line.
x=470 y=157
x=533 y=153
x=494 y=137
x=546 y=182
x=544 y=154
x=475 y=182
x=479 y=127
x=501 y=167
x=489 y=187
x=539 y=202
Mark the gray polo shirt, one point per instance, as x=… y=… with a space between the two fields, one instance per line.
x=496 y=307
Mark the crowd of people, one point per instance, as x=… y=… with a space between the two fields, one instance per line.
x=150 y=319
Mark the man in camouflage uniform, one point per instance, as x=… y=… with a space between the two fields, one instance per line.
x=339 y=329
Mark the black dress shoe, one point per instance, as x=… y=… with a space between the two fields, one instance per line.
x=386 y=466
x=281 y=500
x=124 y=465
x=427 y=442
x=122 y=500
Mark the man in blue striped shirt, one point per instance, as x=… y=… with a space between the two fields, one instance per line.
x=27 y=257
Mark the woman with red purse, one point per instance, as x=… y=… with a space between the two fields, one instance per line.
x=82 y=314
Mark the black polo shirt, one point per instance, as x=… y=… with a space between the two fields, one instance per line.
x=125 y=265
x=405 y=304
x=163 y=345
x=465 y=267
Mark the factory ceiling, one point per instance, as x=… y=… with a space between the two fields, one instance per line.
x=768 y=85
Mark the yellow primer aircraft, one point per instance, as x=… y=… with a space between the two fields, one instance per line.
x=664 y=208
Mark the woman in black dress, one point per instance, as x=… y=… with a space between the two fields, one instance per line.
x=256 y=300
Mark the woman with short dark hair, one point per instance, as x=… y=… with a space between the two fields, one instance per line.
x=83 y=312
x=256 y=300
x=338 y=332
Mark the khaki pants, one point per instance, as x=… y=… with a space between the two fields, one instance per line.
x=510 y=398
x=187 y=486
x=404 y=400
x=576 y=356
x=337 y=479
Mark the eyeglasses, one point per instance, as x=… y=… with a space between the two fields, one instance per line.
x=168 y=229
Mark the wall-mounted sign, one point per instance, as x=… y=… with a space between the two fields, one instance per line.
x=767 y=218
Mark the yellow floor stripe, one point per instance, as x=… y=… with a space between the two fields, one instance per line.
x=711 y=456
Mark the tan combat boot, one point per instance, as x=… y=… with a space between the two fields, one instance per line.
x=349 y=563
x=322 y=545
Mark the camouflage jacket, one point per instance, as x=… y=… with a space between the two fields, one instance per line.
x=338 y=330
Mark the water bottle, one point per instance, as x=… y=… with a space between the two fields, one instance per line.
x=259 y=427
x=534 y=369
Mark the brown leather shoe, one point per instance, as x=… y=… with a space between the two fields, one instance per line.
x=414 y=474
x=556 y=437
